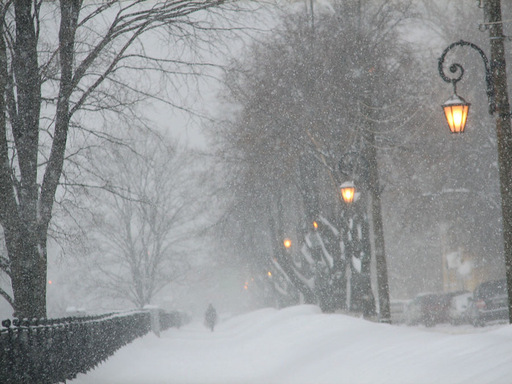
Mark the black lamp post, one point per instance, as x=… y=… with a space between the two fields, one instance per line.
x=499 y=106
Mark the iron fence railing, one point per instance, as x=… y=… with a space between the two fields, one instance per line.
x=55 y=350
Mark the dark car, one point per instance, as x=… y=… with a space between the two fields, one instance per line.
x=490 y=303
x=428 y=309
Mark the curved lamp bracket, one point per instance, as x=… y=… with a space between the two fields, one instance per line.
x=458 y=71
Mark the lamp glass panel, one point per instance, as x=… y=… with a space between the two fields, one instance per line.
x=456 y=116
x=347 y=193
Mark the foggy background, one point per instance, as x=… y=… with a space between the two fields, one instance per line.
x=440 y=196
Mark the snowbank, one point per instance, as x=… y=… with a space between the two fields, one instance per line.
x=301 y=345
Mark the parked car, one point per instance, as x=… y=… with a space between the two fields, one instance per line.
x=489 y=303
x=460 y=304
x=428 y=309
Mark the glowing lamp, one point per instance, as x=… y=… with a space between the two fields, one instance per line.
x=287 y=243
x=456 y=111
x=348 y=191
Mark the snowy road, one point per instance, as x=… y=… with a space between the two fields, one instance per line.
x=301 y=345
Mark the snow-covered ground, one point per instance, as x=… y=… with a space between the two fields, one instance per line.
x=301 y=345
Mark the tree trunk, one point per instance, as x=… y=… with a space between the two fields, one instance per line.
x=28 y=273
x=378 y=231
x=27 y=231
x=503 y=132
x=23 y=234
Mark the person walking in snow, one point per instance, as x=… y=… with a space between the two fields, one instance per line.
x=210 y=317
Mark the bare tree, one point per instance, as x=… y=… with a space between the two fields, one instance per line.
x=56 y=59
x=144 y=233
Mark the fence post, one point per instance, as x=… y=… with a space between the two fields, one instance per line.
x=155 y=319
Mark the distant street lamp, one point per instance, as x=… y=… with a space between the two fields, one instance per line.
x=287 y=243
x=497 y=93
x=348 y=191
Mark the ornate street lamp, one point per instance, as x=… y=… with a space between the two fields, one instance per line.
x=456 y=108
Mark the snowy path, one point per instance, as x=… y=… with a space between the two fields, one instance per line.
x=300 y=345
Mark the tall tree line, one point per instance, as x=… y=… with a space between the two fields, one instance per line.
x=307 y=98
x=356 y=83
